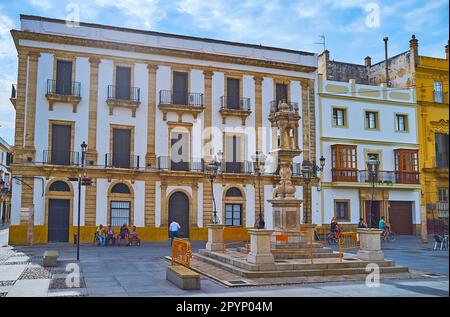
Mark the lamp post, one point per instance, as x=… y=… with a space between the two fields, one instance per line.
x=213 y=169
x=80 y=180
x=372 y=167
x=259 y=160
x=309 y=170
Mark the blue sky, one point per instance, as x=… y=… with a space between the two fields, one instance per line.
x=352 y=28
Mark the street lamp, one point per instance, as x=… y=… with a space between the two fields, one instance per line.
x=213 y=169
x=259 y=160
x=372 y=167
x=80 y=181
x=309 y=170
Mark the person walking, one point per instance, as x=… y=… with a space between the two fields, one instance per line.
x=174 y=227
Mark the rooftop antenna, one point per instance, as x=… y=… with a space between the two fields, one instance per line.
x=322 y=42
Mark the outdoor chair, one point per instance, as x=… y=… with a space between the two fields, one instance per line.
x=442 y=240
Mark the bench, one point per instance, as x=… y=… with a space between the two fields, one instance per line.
x=183 y=277
x=50 y=258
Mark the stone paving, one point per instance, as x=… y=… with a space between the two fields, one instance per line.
x=140 y=271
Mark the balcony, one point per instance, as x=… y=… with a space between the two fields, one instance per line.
x=381 y=178
x=122 y=161
x=180 y=102
x=163 y=163
x=123 y=97
x=293 y=106
x=442 y=208
x=245 y=167
x=63 y=92
x=231 y=106
x=13 y=98
x=440 y=97
x=56 y=157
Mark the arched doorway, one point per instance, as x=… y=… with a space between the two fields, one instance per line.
x=59 y=202
x=179 y=211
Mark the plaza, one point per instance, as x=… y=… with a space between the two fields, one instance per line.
x=140 y=271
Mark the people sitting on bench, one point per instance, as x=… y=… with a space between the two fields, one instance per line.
x=100 y=235
x=134 y=237
x=123 y=234
x=110 y=236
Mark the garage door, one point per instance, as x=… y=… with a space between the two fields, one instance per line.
x=400 y=217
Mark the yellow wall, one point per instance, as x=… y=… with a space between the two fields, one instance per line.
x=432 y=117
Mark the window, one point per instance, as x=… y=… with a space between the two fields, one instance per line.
x=401 y=122
x=233 y=162
x=281 y=93
x=179 y=151
x=339 y=117
x=120 y=213
x=406 y=166
x=438 y=91
x=371 y=120
x=120 y=188
x=123 y=83
x=180 y=88
x=342 y=210
x=233 y=192
x=59 y=186
x=233 y=95
x=121 y=148
x=344 y=167
x=233 y=214
x=441 y=140
x=443 y=194
x=63 y=77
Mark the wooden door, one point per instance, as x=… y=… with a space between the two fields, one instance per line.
x=400 y=217
x=123 y=83
x=121 y=148
x=61 y=144
x=58 y=220
x=179 y=212
x=64 y=77
x=180 y=88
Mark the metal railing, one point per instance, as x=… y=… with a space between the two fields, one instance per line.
x=131 y=162
x=13 y=91
x=347 y=241
x=124 y=93
x=235 y=103
x=169 y=97
x=440 y=96
x=65 y=88
x=293 y=106
x=245 y=167
x=194 y=165
x=381 y=177
x=344 y=175
x=57 y=157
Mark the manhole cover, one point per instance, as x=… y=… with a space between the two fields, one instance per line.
x=238 y=282
x=7 y=283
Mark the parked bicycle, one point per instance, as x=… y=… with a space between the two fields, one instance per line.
x=389 y=235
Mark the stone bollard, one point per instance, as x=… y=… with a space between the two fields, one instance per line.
x=370 y=245
x=215 y=238
x=260 y=247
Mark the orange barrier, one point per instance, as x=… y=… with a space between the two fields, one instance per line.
x=347 y=241
x=282 y=236
x=181 y=252
x=321 y=233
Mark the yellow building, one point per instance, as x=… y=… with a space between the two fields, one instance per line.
x=431 y=79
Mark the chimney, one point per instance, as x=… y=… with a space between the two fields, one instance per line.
x=414 y=49
x=386 y=60
x=446 y=51
x=323 y=60
x=368 y=61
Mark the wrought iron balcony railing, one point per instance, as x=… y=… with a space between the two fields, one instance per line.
x=245 y=167
x=169 y=97
x=293 y=106
x=194 y=165
x=57 y=157
x=381 y=177
x=64 y=88
x=124 y=93
x=122 y=161
x=235 y=103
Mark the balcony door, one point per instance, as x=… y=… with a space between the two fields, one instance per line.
x=233 y=93
x=121 y=148
x=406 y=166
x=233 y=161
x=442 y=152
x=123 y=83
x=64 y=77
x=180 y=88
x=179 y=151
x=281 y=92
x=61 y=144
x=344 y=163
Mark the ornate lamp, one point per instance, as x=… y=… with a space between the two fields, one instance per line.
x=259 y=160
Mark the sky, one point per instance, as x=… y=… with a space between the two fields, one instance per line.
x=353 y=29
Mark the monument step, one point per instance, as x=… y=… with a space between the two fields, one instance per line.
x=318 y=253
x=345 y=268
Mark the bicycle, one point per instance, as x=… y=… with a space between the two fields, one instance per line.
x=333 y=237
x=390 y=235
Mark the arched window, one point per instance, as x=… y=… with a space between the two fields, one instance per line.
x=59 y=186
x=233 y=192
x=120 y=188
